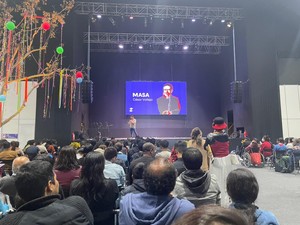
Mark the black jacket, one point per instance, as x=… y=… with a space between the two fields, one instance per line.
x=50 y=210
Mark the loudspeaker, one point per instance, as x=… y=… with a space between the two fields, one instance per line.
x=236 y=91
x=87 y=91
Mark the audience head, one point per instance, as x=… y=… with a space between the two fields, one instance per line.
x=212 y=215
x=266 y=138
x=242 y=186
x=280 y=140
x=149 y=148
x=138 y=170
x=196 y=132
x=180 y=147
x=160 y=177
x=14 y=145
x=219 y=124
x=6 y=145
x=18 y=162
x=164 y=144
x=93 y=164
x=110 y=153
x=36 y=179
x=45 y=157
x=32 y=151
x=67 y=159
x=119 y=146
x=192 y=159
x=30 y=142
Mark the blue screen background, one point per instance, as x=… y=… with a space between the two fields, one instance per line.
x=139 y=105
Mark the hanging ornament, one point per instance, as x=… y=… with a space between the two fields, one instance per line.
x=79 y=80
x=2 y=98
x=60 y=50
x=10 y=25
x=79 y=75
x=46 y=26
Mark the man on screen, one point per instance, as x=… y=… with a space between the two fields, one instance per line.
x=168 y=104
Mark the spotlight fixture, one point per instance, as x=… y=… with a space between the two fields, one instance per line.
x=182 y=24
x=93 y=18
x=211 y=22
x=121 y=46
x=167 y=47
x=229 y=24
x=193 y=20
x=222 y=21
x=131 y=17
x=145 y=22
x=112 y=20
x=141 y=47
x=185 y=47
x=99 y=16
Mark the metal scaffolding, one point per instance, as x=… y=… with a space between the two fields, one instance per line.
x=154 y=43
x=158 y=11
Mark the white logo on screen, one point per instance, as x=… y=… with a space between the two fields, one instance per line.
x=130 y=109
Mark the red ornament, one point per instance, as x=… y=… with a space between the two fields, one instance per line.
x=79 y=74
x=46 y=26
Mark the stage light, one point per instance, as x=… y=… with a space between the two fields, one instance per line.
x=222 y=21
x=211 y=22
x=112 y=20
x=172 y=20
x=167 y=47
x=141 y=47
x=145 y=22
x=185 y=47
x=193 y=20
x=121 y=46
x=131 y=17
x=93 y=18
x=182 y=24
x=99 y=16
x=229 y=24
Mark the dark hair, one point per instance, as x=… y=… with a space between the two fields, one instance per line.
x=280 y=140
x=164 y=144
x=45 y=157
x=138 y=170
x=196 y=135
x=212 y=214
x=67 y=159
x=91 y=183
x=30 y=142
x=147 y=147
x=160 y=177
x=180 y=146
x=32 y=179
x=119 y=146
x=6 y=145
x=266 y=138
x=242 y=187
x=192 y=159
x=14 y=145
x=110 y=153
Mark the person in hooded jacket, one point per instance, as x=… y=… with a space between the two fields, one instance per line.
x=194 y=184
x=155 y=206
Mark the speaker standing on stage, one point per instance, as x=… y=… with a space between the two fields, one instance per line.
x=132 y=126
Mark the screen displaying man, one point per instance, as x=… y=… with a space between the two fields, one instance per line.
x=168 y=104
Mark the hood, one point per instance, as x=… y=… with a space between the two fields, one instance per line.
x=148 y=209
x=196 y=180
x=139 y=185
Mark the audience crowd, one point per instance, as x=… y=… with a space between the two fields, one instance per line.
x=133 y=181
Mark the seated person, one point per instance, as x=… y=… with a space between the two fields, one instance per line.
x=194 y=184
x=156 y=205
x=253 y=146
x=180 y=148
x=39 y=202
x=280 y=146
x=242 y=187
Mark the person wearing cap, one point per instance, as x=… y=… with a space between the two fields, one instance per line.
x=222 y=164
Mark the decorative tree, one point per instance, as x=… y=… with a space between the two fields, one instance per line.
x=27 y=30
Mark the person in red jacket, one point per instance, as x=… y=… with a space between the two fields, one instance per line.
x=266 y=146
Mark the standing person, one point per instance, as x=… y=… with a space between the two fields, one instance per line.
x=223 y=162
x=167 y=103
x=243 y=188
x=132 y=126
x=198 y=142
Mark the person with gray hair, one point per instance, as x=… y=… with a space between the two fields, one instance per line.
x=7 y=183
